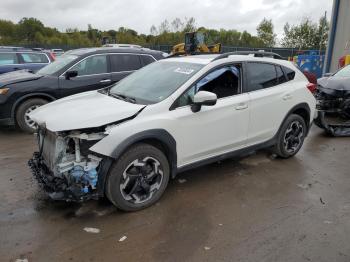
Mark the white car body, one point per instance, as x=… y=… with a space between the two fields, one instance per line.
x=234 y=123
x=252 y=117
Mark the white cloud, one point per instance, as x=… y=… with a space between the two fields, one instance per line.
x=140 y=15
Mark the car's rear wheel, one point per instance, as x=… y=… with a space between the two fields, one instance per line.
x=138 y=178
x=291 y=136
x=22 y=114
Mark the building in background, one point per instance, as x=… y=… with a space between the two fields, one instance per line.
x=339 y=36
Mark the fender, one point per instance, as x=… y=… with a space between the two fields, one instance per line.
x=22 y=98
x=160 y=135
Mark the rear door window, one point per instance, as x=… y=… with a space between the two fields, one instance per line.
x=260 y=76
x=34 y=58
x=8 y=59
x=125 y=62
x=91 y=66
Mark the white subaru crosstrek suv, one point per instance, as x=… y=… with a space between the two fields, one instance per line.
x=126 y=141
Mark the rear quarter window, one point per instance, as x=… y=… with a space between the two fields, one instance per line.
x=8 y=59
x=146 y=59
x=289 y=73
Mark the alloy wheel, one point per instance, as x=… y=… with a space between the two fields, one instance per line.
x=293 y=137
x=141 y=179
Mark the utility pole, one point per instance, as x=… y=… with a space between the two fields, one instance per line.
x=322 y=32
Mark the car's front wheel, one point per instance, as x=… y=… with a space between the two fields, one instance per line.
x=22 y=114
x=138 y=178
x=291 y=136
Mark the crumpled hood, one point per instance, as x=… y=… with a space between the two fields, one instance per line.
x=337 y=86
x=84 y=110
x=17 y=77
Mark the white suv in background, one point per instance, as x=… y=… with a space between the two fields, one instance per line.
x=126 y=141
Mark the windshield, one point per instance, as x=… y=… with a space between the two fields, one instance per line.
x=345 y=72
x=156 y=81
x=57 y=65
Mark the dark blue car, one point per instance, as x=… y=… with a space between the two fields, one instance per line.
x=13 y=59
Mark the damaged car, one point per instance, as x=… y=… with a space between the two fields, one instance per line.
x=126 y=142
x=333 y=99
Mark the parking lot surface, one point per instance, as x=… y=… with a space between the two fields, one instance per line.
x=253 y=209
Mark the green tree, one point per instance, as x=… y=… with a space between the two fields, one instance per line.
x=28 y=27
x=265 y=33
x=306 y=35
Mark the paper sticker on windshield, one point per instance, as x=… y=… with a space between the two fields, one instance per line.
x=184 y=70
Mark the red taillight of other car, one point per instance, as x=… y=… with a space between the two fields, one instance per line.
x=312 y=87
x=52 y=56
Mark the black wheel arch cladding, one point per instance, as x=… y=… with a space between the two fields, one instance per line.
x=299 y=109
x=160 y=135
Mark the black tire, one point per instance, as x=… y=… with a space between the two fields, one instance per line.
x=289 y=141
x=21 y=111
x=143 y=155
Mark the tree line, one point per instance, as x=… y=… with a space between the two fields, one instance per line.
x=32 y=32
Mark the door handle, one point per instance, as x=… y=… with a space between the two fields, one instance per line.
x=287 y=97
x=105 y=81
x=241 y=106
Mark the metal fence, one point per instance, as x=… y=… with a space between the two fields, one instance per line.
x=284 y=52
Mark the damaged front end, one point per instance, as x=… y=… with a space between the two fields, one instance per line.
x=65 y=167
x=333 y=105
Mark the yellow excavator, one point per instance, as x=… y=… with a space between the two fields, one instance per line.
x=194 y=44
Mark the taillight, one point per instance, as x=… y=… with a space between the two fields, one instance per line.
x=53 y=57
x=312 y=87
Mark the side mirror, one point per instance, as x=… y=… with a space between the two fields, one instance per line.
x=70 y=74
x=203 y=98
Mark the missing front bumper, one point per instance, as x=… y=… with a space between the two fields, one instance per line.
x=58 y=188
x=338 y=130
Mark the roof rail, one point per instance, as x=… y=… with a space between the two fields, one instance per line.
x=193 y=54
x=255 y=53
x=13 y=48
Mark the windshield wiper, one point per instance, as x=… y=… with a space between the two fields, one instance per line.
x=124 y=98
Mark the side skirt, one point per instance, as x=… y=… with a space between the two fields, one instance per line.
x=236 y=153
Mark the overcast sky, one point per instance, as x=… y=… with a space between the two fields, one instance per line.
x=141 y=14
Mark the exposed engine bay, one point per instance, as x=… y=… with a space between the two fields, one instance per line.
x=65 y=167
x=333 y=99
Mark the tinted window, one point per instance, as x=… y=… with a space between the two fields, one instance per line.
x=91 y=65
x=223 y=82
x=289 y=73
x=147 y=59
x=280 y=75
x=8 y=59
x=261 y=76
x=33 y=58
x=125 y=62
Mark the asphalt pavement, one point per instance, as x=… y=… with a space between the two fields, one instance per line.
x=256 y=208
